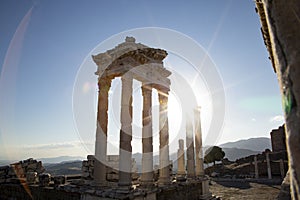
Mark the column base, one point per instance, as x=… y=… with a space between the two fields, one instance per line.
x=124 y=188
x=125 y=185
x=147 y=184
x=99 y=183
x=163 y=181
x=180 y=177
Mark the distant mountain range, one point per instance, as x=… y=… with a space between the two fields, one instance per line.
x=233 y=151
x=255 y=144
x=60 y=159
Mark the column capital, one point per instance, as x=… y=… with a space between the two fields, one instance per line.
x=104 y=84
x=146 y=89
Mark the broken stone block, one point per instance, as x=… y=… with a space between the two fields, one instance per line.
x=59 y=180
x=31 y=177
x=44 y=179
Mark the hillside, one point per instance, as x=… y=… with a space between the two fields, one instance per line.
x=60 y=159
x=254 y=144
x=235 y=153
x=64 y=168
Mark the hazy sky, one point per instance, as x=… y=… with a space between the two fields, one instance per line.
x=44 y=43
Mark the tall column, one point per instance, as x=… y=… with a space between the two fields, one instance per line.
x=256 y=167
x=125 y=151
x=164 y=162
x=190 y=148
x=268 y=166
x=198 y=145
x=104 y=84
x=147 y=156
x=180 y=159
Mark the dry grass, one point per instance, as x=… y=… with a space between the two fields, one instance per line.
x=244 y=190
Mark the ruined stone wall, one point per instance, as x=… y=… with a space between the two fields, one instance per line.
x=25 y=192
x=20 y=170
x=191 y=191
x=112 y=173
x=278 y=139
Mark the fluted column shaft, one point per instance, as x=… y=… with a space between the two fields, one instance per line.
x=147 y=156
x=125 y=151
x=164 y=162
x=180 y=158
x=198 y=145
x=190 y=148
x=104 y=84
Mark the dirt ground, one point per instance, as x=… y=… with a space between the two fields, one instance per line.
x=243 y=190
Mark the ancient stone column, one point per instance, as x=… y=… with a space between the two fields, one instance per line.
x=280 y=28
x=256 y=167
x=268 y=166
x=190 y=148
x=147 y=156
x=125 y=151
x=180 y=159
x=104 y=84
x=198 y=145
x=164 y=173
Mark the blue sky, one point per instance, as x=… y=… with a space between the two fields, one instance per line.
x=44 y=43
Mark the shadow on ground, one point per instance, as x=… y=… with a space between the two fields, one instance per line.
x=233 y=184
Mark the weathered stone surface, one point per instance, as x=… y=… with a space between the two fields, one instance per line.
x=31 y=177
x=284 y=193
x=44 y=179
x=59 y=180
x=280 y=29
x=21 y=169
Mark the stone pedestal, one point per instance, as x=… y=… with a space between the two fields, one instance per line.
x=190 y=148
x=101 y=132
x=125 y=150
x=164 y=171
x=205 y=193
x=147 y=156
x=269 y=166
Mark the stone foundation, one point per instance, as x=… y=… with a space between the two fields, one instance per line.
x=70 y=191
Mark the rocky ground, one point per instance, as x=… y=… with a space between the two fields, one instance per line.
x=244 y=190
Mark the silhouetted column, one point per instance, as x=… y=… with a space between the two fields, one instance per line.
x=104 y=84
x=164 y=162
x=125 y=151
x=269 y=166
x=180 y=159
x=256 y=167
x=190 y=148
x=198 y=145
x=147 y=156
x=280 y=28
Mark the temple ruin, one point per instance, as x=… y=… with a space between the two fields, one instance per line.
x=130 y=60
x=115 y=176
x=133 y=61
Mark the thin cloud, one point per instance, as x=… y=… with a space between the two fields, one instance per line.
x=56 y=145
x=277 y=118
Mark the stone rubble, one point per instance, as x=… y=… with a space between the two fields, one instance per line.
x=28 y=169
